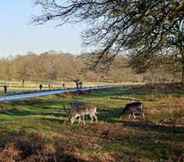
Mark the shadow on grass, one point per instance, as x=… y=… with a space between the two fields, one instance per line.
x=38 y=106
x=110 y=115
x=114 y=115
x=153 y=146
x=40 y=102
x=142 y=90
x=54 y=119
x=18 y=112
x=150 y=126
x=122 y=90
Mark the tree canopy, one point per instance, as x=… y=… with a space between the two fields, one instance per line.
x=146 y=28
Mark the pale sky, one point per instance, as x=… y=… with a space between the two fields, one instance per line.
x=19 y=36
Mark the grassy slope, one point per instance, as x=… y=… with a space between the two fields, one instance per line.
x=37 y=129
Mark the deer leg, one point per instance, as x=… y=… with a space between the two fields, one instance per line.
x=79 y=120
x=91 y=116
x=134 y=116
x=95 y=117
x=143 y=116
x=72 y=120
x=83 y=119
x=129 y=117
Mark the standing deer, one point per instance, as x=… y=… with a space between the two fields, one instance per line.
x=80 y=110
x=133 y=109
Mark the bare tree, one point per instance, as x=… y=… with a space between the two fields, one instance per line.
x=142 y=26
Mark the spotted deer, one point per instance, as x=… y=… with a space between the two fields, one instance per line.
x=79 y=110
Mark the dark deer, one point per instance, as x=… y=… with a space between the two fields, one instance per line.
x=133 y=109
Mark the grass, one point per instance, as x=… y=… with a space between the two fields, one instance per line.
x=36 y=130
x=16 y=87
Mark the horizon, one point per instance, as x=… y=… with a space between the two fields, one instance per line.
x=19 y=36
x=42 y=53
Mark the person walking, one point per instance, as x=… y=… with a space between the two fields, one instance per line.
x=5 y=89
x=41 y=87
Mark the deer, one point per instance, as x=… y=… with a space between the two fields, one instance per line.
x=134 y=108
x=79 y=110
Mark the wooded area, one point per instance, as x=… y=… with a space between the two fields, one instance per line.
x=63 y=67
x=58 y=66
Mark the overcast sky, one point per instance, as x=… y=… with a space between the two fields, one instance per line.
x=19 y=36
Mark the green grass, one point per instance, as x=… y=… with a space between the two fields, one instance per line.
x=113 y=138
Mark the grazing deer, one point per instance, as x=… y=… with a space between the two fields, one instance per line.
x=133 y=109
x=80 y=110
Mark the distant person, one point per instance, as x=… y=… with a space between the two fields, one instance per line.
x=23 y=83
x=49 y=86
x=63 y=85
x=41 y=87
x=5 y=89
x=77 y=83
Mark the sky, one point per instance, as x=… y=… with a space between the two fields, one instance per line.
x=19 y=36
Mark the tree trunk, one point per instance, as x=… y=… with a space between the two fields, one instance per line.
x=182 y=66
x=182 y=73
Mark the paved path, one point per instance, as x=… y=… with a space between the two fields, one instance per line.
x=20 y=97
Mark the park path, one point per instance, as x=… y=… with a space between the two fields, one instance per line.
x=20 y=97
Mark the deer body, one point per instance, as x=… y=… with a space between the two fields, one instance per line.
x=80 y=110
x=133 y=109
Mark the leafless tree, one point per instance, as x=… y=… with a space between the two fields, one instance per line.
x=142 y=26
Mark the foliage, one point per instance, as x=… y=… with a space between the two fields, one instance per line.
x=59 y=66
x=145 y=27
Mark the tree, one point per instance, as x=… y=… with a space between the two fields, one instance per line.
x=142 y=26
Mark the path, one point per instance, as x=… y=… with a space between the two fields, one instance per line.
x=19 y=97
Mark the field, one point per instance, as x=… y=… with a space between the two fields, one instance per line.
x=14 y=87
x=37 y=130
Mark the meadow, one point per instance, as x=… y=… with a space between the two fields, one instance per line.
x=16 y=87
x=38 y=130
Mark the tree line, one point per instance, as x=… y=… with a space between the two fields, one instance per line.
x=52 y=66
